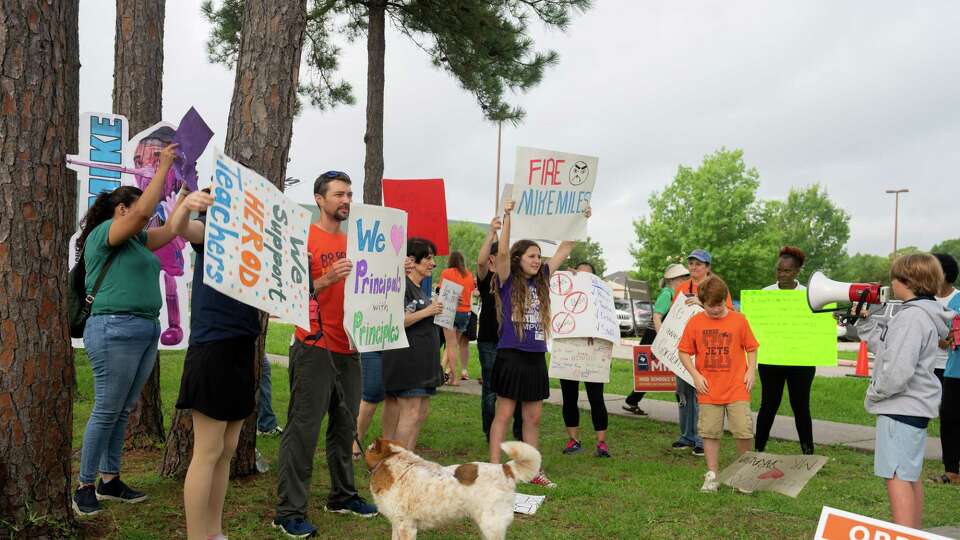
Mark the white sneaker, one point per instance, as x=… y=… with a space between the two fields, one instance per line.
x=710 y=483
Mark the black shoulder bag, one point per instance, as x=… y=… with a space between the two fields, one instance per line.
x=79 y=303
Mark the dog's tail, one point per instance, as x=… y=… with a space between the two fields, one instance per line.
x=524 y=460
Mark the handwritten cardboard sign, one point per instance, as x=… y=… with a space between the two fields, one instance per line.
x=791 y=334
x=759 y=471
x=551 y=192
x=841 y=525
x=581 y=359
x=668 y=338
x=373 y=308
x=255 y=245
x=527 y=504
x=649 y=374
x=581 y=305
x=426 y=206
x=450 y=298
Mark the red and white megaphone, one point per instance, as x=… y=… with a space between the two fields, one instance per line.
x=822 y=291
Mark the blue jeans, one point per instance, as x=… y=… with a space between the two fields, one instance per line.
x=371 y=377
x=266 y=420
x=123 y=350
x=488 y=398
x=689 y=410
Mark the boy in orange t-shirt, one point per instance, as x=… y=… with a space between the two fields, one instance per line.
x=726 y=360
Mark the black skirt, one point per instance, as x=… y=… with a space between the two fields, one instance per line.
x=218 y=378
x=520 y=375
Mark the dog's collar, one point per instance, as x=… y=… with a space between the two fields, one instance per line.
x=405 y=471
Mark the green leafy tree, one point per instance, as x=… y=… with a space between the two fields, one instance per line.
x=465 y=237
x=951 y=247
x=485 y=45
x=809 y=220
x=714 y=207
x=591 y=252
x=863 y=267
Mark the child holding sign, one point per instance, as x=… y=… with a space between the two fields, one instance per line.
x=726 y=359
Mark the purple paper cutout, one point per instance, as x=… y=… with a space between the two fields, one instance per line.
x=192 y=135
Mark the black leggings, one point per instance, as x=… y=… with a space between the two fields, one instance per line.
x=950 y=422
x=798 y=380
x=571 y=395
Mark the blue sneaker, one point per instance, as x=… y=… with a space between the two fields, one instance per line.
x=295 y=527
x=355 y=505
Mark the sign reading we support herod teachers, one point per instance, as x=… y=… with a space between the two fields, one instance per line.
x=373 y=294
x=551 y=193
x=255 y=243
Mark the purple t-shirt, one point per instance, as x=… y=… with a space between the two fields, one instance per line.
x=534 y=337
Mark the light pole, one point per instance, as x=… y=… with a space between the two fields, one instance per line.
x=896 y=215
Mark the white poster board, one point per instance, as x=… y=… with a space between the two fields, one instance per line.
x=839 y=524
x=581 y=306
x=668 y=338
x=759 y=471
x=450 y=298
x=551 y=191
x=255 y=244
x=581 y=359
x=527 y=504
x=373 y=307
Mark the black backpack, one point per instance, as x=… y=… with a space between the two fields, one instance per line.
x=79 y=303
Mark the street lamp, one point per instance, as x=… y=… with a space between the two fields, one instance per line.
x=896 y=215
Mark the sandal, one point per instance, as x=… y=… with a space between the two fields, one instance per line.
x=634 y=409
x=464 y=376
x=945 y=479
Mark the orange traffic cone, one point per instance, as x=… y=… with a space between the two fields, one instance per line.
x=863 y=368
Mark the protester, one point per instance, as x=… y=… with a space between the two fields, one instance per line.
x=457 y=350
x=571 y=411
x=723 y=374
x=488 y=333
x=520 y=370
x=218 y=382
x=799 y=379
x=324 y=375
x=267 y=425
x=411 y=375
x=904 y=392
x=672 y=276
x=947 y=369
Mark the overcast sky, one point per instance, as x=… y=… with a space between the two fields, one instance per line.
x=859 y=96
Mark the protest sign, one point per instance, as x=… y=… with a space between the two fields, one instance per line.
x=426 y=207
x=841 y=525
x=506 y=194
x=551 y=192
x=581 y=359
x=373 y=307
x=581 y=305
x=759 y=471
x=649 y=374
x=527 y=504
x=193 y=135
x=791 y=334
x=255 y=245
x=668 y=338
x=450 y=298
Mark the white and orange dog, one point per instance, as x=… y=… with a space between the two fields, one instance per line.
x=416 y=494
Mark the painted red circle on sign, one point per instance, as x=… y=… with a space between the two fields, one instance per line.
x=563 y=323
x=576 y=302
x=561 y=284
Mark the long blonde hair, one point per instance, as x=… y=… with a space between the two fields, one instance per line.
x=520 y=297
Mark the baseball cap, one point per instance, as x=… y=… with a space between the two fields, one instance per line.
x=701 y=255
x=674 y=271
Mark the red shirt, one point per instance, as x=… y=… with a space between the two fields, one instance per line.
x=720 y=347
x=326 y=249
x=452 y=274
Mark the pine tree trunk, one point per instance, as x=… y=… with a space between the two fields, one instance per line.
x=39 y=71
x=258 y=135
x=178 y=449
x=376 y=47
x=137 y=92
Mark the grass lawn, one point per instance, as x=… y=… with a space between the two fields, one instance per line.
x=646 y=490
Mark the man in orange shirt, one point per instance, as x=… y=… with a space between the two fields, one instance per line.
x=324 y=375
x=726 y=360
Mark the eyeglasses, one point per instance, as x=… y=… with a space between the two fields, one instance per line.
x=336 y=174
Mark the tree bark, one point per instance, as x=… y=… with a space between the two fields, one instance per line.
x=137 y=94
x=376 y=47
x=39 y=71
x=258 y=135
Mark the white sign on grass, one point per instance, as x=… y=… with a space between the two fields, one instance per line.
x=255 y=243
x=450 y=298
x=581 y=306
x=759 y=471
x=668 y=338
x=551 y=191
x=374 y=291
x=581 y=359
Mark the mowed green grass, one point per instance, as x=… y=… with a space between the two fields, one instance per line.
x=646 y=490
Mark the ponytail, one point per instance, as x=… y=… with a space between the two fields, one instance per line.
x=103 y=209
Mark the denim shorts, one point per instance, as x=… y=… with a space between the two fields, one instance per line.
x=899 y=450
x=461 y=321
x=371 y=377
x=415 y=392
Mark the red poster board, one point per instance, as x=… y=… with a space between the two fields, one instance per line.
x=426 y=207
x=649 y=375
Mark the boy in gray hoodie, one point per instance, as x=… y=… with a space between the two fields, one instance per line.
x=904 y=392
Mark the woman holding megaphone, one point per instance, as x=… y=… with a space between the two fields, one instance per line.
x=799 y=379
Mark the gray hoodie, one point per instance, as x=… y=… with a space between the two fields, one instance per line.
x=905 y=350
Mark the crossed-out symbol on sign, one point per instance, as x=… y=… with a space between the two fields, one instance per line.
x=563 y=323
x=574 y=303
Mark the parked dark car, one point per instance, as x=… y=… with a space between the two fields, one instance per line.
x=642 y=313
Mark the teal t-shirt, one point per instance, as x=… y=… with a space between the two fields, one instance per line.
x=664 y=301
x=953 y=358
x=132 y=284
